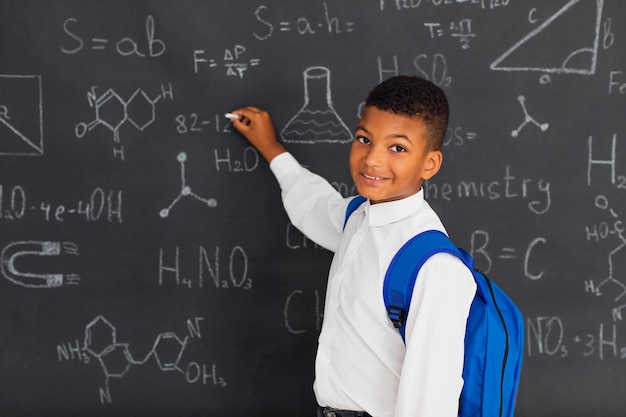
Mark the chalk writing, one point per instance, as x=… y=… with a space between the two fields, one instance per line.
x=15 y=207
x=101 y=205
x=21 y=126
x=617 y=83
x=294 y=239
x=611 y=162
x=196 y=123
x=294 y=300
x=234 y=61
x=547 y=335
x=100 y=343
x=205 y=262
x=608 y=37
x=126 y=46
x=458 y=136
x=433 y=68
x=484 y=253
x=302 y=25
x=248 y=162
x=461 y=30
x=402 y=5
x=507 y=187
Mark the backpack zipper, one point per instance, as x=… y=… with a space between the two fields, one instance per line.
x=506 y=349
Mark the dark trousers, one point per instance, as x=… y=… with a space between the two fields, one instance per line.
x=331 y=412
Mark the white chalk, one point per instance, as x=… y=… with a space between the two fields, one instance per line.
x=232 y=116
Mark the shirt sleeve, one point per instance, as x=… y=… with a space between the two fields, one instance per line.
x=312 y=204
x=431 y=380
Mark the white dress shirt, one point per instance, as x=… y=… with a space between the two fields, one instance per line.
x=362 y=363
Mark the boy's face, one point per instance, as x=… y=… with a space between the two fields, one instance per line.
x=389 y=158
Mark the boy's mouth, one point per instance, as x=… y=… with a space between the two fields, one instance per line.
x=371 y=177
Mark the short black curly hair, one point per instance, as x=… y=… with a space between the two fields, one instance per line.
x=415 y=97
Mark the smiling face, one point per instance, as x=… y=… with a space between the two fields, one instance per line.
x=389 y=158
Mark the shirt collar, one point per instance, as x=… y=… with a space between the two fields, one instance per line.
x=390 y=212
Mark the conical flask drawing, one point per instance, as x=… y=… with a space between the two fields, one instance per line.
x=317 y=121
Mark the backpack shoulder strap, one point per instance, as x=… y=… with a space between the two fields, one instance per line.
x=404 y=267
x=353 y=205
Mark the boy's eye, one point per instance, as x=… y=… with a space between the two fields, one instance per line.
x=398 y=148
x=363 y=139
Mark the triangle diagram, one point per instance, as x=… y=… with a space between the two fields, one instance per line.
x=21 y=122
x=12 y=142
x=565 y=43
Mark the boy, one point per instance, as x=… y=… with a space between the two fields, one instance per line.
x=362 y=367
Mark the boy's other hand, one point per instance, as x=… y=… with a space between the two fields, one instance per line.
x=257 y=127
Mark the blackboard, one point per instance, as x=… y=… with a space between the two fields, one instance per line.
x=147 y=265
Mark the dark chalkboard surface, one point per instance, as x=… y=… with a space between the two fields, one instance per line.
x=147 y=265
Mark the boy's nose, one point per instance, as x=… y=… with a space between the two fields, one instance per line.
x=374 y=157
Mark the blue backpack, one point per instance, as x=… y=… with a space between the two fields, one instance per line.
x=494 y=336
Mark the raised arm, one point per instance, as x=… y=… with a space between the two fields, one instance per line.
x=313 y=205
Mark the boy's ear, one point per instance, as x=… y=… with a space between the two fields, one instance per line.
x=434 y=159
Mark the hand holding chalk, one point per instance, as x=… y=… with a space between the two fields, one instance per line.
x=243 y=119
x=257 y=127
